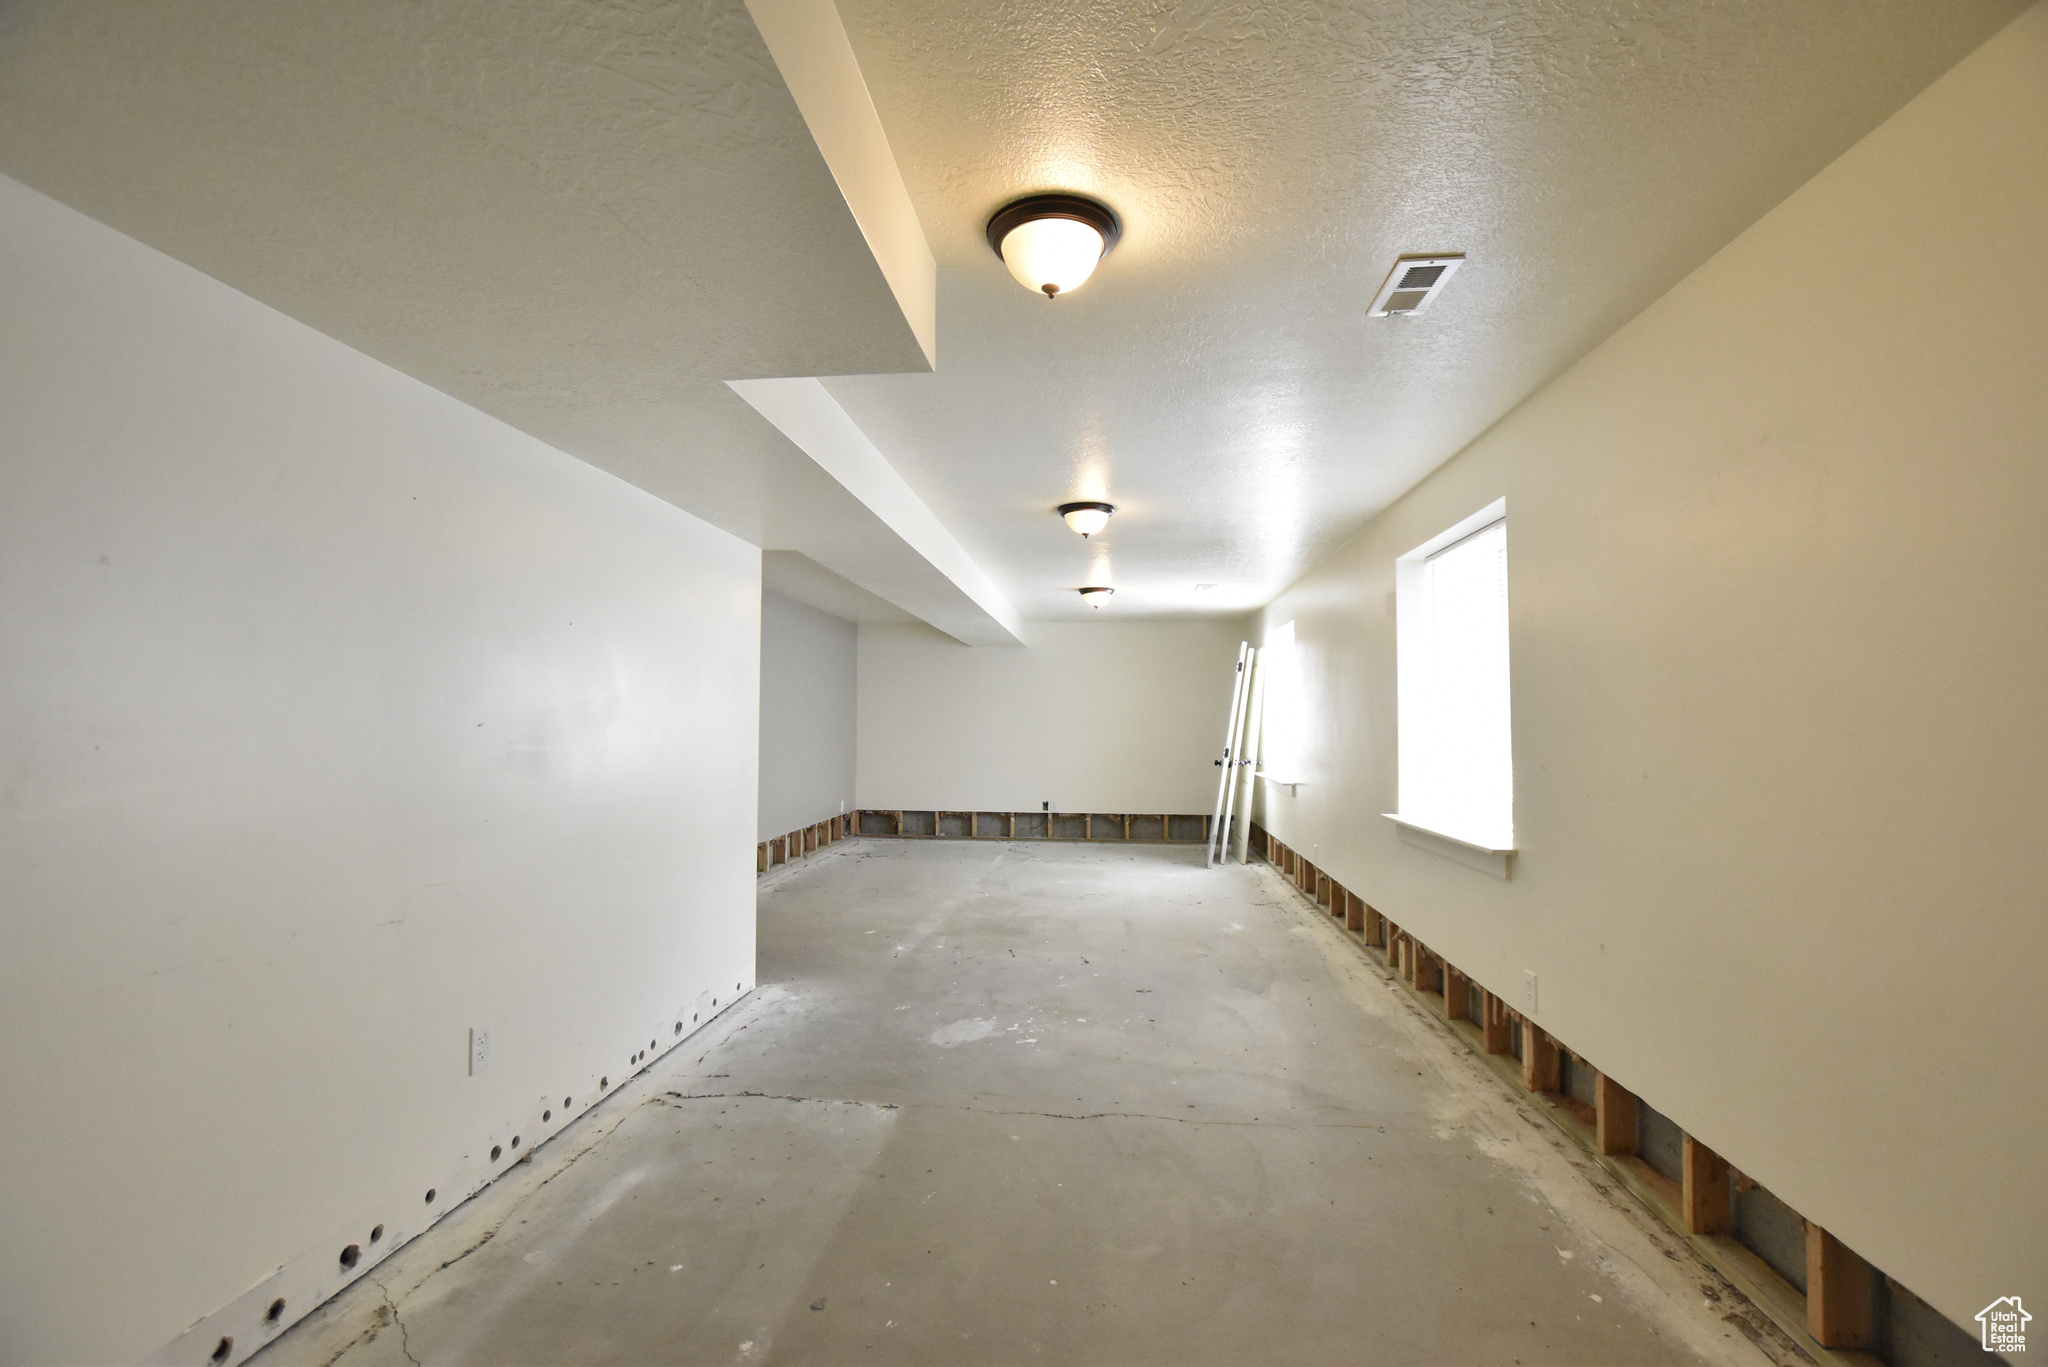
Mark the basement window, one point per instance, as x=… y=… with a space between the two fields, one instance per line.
x=1457 y=770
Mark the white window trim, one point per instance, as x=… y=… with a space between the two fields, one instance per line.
x=1410 y=572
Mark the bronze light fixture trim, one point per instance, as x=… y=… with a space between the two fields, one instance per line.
x=1087 y=518
x=1052 y=243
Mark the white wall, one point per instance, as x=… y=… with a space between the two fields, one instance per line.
x=807 y=715
x=1091 y=717
x=1776 y=573
x=336 y=717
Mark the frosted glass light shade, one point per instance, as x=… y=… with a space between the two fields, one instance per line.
x=1053 y=256
x=1087 y=518
x=1052 y=243
x=1095 y=598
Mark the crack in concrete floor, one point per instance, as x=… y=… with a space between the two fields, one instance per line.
x=1409 y=1210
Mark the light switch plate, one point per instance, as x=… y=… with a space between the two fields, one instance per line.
x=1528 y=993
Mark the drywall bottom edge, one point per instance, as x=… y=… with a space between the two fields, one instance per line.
x=246 y=1325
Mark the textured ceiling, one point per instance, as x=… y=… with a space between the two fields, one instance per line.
x=1218 y=378
x=583 y=218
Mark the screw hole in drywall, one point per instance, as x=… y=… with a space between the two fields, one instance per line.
x=275 y=1312
x=679 y=1027
x=603 y=1083
x=515 y=1141
x=693 y=1017
x=495 y=1151
x=351 y=1255
x=545 y=1116
x=650 y=1046
x=223 y=1348
x=714 y=1001
x=376 y=1234
x=430 y=1196
x=565 y=1103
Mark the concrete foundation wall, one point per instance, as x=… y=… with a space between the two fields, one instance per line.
x=1091 y=717
x=1776 y=579
x=808 y=667
x=337 y=719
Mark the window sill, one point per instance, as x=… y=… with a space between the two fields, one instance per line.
x=1484 y=858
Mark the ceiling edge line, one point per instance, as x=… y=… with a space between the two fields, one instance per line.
x=803 y=411
x=808 y=41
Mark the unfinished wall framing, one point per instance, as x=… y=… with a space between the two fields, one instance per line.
x=1154 y=828
x=1827 y=1299
x=784 y=849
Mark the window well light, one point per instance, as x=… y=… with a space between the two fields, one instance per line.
x=1096 y=597
x=1052 y=243
x=1087 y=518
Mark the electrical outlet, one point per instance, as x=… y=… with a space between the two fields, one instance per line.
x=479 y=1048
x=1528 y=993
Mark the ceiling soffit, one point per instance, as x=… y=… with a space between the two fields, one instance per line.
x=582 y=220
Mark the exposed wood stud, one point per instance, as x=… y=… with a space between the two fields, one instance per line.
x=1374 y=925
x=1354 y=912
x=1498 y=1038
x=1614 y=1116
x=1457 y=997
x=1841 y=1292
x=1705 y=1190
x=1422 y=969
x=1540 y=1071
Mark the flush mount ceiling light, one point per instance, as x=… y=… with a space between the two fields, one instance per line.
x=1087 y=518
x=1052 y=242
x=1096 y=597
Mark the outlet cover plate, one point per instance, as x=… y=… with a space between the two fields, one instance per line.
x=479 y=1048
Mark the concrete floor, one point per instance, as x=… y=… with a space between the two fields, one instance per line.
x=1009 y=1103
